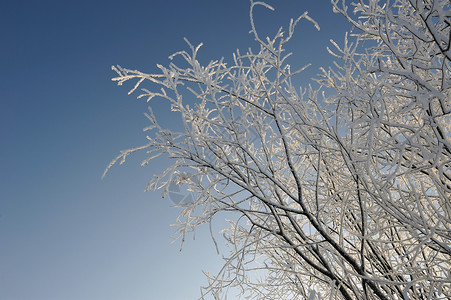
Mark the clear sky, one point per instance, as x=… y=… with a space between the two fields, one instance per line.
x=64 y=232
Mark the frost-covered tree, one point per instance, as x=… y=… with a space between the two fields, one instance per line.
x=339 y=190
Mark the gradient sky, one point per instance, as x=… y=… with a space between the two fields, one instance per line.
x=65 y=234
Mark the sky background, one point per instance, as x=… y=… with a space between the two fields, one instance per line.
x=64 y=232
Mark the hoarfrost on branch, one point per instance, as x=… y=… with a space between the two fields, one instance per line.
x=340 y=190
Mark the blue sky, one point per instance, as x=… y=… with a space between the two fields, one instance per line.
x=64 y=232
